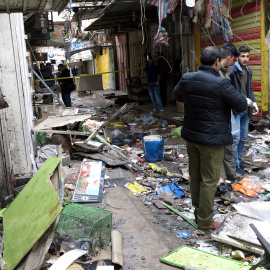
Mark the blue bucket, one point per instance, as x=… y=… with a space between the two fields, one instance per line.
x=153 y=147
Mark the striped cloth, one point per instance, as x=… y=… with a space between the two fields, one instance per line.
x=161 y=37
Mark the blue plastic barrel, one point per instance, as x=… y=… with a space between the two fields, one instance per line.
x=153 y=147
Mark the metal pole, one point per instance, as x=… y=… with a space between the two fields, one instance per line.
x=53 y=94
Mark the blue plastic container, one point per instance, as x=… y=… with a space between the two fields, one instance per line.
x=153 y=147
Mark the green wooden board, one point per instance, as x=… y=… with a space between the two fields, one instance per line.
x=186 y=256
x=30 y=214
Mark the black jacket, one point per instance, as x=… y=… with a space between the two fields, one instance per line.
x=68 y=84
x=208 y=100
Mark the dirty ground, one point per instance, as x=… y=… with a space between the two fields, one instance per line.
x=139 y=193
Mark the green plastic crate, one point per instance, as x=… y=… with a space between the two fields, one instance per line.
x=87 y=224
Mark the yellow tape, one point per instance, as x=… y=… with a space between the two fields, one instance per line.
x=88 y=75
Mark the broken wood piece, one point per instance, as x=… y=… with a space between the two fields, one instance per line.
x=117 y=248
x=94 y=133
x=85 y=148
x=107 y=158
x=70 y=132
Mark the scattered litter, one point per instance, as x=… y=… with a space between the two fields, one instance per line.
x=176 y=132
x=184 y=234
x=135 y=187
x=238 y=255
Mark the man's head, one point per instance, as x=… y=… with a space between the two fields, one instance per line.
x=211 y=56
x=49 y=66
x=243 y=57
x=42 y=67
x=228 y=52
x=61 y=67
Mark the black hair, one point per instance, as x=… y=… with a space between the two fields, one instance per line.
x=210 y=55
x=228 y=49
x=243 y=48
x=61 y=65
x=48 y=64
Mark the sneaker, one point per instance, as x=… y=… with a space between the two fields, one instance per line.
x=240 y=170
x=235 y=176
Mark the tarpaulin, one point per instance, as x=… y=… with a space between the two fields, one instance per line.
x=164 y=7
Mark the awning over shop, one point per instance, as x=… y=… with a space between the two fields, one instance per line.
x=120 y=13
x=26 y=6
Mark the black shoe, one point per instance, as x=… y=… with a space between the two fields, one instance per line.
x=243 y=166
x=235 y=176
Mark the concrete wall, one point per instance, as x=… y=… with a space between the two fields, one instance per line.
x=17 y=120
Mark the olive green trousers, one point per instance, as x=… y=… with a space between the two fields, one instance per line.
x=204 y=169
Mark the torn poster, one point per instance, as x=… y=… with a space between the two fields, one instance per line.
x=89 y=187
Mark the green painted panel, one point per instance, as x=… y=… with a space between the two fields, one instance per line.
x=238 y=3
x=250 y=18
x=30 y=214
x=191 y=258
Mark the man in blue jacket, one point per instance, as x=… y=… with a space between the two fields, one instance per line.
x=241 y=77
x=208 y=100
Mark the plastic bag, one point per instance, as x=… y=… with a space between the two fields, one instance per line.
x=176 y=132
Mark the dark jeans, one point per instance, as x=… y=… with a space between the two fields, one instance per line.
x=204 y=169
x=163 y=91
x=66 y=98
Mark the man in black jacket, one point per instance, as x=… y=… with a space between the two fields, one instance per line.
x=67 y=85
x=208 y=100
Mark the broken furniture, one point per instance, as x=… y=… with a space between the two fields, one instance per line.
x=137 y=88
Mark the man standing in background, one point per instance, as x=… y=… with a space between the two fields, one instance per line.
x=153 y=73
x=67 y=85
x=228 y=52
x=165 y=69
x=241 y=77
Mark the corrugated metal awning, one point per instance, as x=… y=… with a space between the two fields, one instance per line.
x=26 y=6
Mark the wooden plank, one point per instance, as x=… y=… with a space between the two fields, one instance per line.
x=197 y=45
x=30 y=214
x=265 y=62
x=70 y=132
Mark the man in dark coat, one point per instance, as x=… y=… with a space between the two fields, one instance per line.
x=208 y=100
x=67 y=85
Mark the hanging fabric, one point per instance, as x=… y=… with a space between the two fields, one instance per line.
x=165 y=7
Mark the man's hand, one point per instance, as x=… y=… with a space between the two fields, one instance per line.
x=249 y=102
x=255 y=108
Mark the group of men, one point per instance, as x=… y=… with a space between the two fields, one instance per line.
x=67 y=85
x=218 y=101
